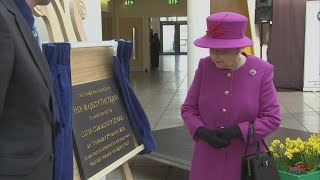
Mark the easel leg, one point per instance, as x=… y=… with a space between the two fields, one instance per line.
x=261 y=40
x=125 y=171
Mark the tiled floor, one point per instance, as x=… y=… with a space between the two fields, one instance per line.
x=162 y=92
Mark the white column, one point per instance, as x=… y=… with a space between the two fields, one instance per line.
x=198 y=11
x=146 y=44
x=116 y=15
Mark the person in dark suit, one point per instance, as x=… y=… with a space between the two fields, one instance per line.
x=155 y=50
x=26 y=97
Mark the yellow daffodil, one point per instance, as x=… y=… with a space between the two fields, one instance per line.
x=275 y=143
x=288 y=155
x=293 y=151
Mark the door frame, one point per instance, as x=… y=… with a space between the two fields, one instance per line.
x=176 y=36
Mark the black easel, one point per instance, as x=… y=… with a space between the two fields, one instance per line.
x=261 y=40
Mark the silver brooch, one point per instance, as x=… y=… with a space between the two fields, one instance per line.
x=252 y=72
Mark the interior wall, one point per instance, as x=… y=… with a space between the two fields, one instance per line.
x=105 y=6
x=155 y=25
x=126 y=25
x=146 y=43
x=106 y=18
x=287 y=43
x=153 y=8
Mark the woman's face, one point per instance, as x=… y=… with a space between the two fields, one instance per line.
x=225 y=58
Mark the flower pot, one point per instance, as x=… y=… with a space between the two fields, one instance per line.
x=310 y=176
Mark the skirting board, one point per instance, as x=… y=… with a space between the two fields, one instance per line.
x=311 y=89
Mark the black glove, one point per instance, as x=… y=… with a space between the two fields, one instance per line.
x=211 y=138
x=229 y=133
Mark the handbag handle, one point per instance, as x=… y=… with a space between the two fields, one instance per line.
x=252 y=130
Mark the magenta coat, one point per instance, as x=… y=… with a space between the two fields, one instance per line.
x=220 y=98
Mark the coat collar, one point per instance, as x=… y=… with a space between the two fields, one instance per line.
x=29 y=39
x=25 y=11
x=38 y=57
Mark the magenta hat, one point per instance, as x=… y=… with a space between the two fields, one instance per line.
x=225 y=30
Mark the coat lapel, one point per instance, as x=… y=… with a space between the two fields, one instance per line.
x=33 y=46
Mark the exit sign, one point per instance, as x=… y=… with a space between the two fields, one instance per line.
x=173 y=2
x=129 y=2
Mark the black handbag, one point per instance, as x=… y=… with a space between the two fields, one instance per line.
x=259 y=165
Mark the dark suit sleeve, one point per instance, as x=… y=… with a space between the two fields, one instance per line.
x=6 y=60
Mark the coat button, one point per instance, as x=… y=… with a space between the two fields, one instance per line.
x=229 y=75
x=226 y=93
x=51 y=158
x=223 y=110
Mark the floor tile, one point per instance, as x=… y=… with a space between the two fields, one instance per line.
x=171 y=116
x=144 y=99
x=161 y=104
x=141 y=161
x=149 y=173
x=283 y=109
x=177 y=174
x=114 y=174
x=174 y=86
x=164 y=91
x=166 y=125
x=175 y=106
x=181 y=94
x=296 y=108
x=307 y=117
x=155 y=108
x=305 y=95
x=288 y=121
x=286 y=96
x=154 y=115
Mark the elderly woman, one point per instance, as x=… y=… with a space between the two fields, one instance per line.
x=230 y=89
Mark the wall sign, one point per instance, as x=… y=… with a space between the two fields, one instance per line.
x=312 y=46
x=129 y=2
x=101 y=129
x=173 y=2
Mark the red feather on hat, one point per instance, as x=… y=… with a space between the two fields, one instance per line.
x=216 y=29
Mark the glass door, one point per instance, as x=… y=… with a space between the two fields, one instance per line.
x=174 y=37
x=168 y=39
x=183 y=34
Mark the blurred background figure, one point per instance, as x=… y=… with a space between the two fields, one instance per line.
x=155 y=50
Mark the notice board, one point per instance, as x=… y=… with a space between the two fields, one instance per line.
x=103 y=137
x=311 y=76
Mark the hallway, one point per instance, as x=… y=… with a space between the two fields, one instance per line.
x=161 y=92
